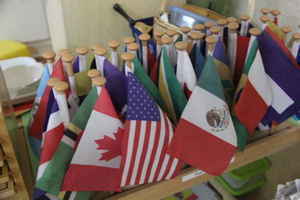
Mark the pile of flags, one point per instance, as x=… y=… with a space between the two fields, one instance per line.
x=165 y=104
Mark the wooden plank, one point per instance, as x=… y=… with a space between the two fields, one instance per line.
x=260 y=149
x=9 y=191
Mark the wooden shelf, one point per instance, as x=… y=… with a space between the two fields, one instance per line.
x=254 y=151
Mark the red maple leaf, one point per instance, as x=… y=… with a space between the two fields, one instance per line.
x=113 y=146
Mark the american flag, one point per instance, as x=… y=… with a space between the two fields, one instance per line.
x=148 y=132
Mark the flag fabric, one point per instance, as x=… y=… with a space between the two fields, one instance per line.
x=222 y=62
x=58 y=166
x=283 y=70
x=170 y=89
x=151 y=54
x=95 y=165
x=197 y=58
x=241 y=53
x=154 y=73
x=141 y=75
x=147 y=134
x=40 y=117
x=267 y=91
x=80 y=64
x=185 y=72
x=205 y=136
x=51 y=139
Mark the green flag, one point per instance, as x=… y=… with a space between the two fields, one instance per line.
x=53 y=176
x=170 y=89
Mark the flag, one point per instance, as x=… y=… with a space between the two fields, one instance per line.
x=222 y=62
x=170 y=89
x=141 y=75
x=51 y=139
x=197 y=58
x=148 y=132
x=95 y=165
x=155 y=70
x=241 y=53
x=283 y=71
x=185 y=73
x=205 y=137
x=80 y=64
x=58 y=166
x=116 y=84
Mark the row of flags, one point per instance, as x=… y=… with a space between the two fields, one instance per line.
x=192 y=99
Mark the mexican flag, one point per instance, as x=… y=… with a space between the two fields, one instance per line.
x=205 y=136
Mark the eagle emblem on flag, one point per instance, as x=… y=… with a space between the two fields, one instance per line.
x=218 y=118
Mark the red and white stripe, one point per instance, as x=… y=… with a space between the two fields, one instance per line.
x=146 y=159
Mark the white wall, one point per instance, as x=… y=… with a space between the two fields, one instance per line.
x=23 y=20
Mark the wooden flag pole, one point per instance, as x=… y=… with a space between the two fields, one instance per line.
x=264 y=19
x=99 y=81
x=185 y=31
x=211 y=42
x=49 y=57
x=133 y=48
x=145 y=37
x=92 y=74
x=60 y=89
x=286 y=30
x=94 y=47
x=199 y=28
x=208 y=25
x=127 y=41
x=232 y=20
x=215 y=30
x=222 y=23
x=114 y=45
x=232 y=43
x=100 y=57
x=245 y=20
x=128 y=58
x=157 y=36
x=195 y=37
x=276 y=14
x=265 y=11
x=82 y=54
x=167 y=42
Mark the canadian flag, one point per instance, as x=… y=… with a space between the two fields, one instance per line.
x=96 y=162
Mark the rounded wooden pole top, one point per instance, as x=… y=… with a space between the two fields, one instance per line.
x=114 y=44
x=64 y=51
x=286 y=29
x=232 y=20
x=128 y=57
x=209 y=24
x=264 y=19
x=99 y=81
x=185 y=29
x=265 y=11
x=68 y=58
x=244 y=18
x=93 y=73
x=52 y=81
x=222 y=22
x=181 y=46
x=49 y=55
x=128 y=40
x=158 y=33
x=211 y=39
x=275 y=12
x=100 y=51
x=171 y=33
x=82 y=50
x=196 y=35
x=255 y=31
x=199 y=27
x=296 y=36
x=166 y=40
x=95 y=46
x=215 y=30
x=144 y=37
x=61 y=86
x=233 y=26
x=133 y=46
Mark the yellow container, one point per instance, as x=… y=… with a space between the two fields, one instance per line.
x=12 y=49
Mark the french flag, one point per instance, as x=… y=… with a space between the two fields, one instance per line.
x=270 y=94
